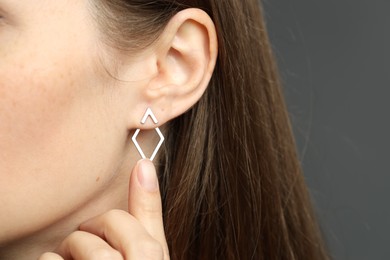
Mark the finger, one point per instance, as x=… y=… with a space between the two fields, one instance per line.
x=145 y=200
x=126 y=234
x=81 y=245
x=50 y=256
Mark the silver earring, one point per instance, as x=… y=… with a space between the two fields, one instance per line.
x=134 y=138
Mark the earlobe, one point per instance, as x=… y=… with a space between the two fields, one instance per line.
x=185 y=59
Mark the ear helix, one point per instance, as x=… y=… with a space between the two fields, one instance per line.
x=134 y=138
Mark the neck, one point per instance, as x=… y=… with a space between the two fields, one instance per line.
x=33 y=245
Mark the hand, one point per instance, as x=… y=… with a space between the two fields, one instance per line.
x=117 y=234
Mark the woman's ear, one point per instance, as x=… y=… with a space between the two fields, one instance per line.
x=183 y=60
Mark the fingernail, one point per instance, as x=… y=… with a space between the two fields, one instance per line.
x=147 y=175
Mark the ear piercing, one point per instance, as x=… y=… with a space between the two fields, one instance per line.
x=147 y=114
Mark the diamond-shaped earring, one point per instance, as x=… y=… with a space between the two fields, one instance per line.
x=134 y=138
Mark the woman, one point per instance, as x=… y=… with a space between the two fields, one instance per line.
x=77 y=77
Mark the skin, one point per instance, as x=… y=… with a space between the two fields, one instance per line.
x=66 y=154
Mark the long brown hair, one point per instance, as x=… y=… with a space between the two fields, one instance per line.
x=231 y=183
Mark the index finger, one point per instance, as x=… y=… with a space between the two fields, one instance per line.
x=144 y=201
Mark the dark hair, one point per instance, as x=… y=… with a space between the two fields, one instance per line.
x=231 y=183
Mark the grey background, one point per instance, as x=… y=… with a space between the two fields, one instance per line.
x=334 y=60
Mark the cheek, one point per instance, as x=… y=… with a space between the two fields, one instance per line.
x=36 y=95
x=31 y=105
x=54 y=139
x=58 y=135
